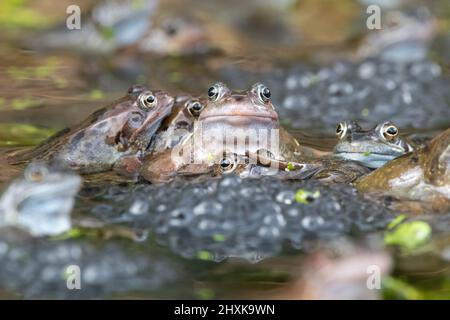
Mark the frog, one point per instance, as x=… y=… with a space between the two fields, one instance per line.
x=106 y=27
x=40 y=201
x=237 y=115
x=115 y=137
x=422 y=175
x=404 y=38
x=179 y=124
x=254 y=165
x=373 y=148
x=176 y=36
x=126 y=26
x=231 y=122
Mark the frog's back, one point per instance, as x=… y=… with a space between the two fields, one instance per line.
x=55 y=143
x=42 y=151
x=436 y=159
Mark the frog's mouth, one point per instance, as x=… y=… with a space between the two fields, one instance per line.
x=240 y=118
x=369 y=159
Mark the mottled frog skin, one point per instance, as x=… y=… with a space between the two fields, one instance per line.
x=374 y=147
x=179 y=124
x=231 y=122
x=236 y=114
x=423 y=175
x=115 y=136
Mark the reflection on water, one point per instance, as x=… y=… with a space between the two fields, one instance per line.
x=226 y=238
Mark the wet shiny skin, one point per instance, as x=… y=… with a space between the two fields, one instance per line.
x=373 y=147
x=227 y=115
x=422 y=175
x=120 y=131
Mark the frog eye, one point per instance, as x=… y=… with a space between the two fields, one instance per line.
x=195 y=108
x=36 y=172
x=227 y=165
x=217 y=91
x=171 y=29
x=341 y=130
x=148 y=100
x=213 y=93
x=390 y=132
x=264 y=93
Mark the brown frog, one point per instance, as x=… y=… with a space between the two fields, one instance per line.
x=423 y=175
x=176 y=36
x=231 y=122
x=254 y=165
x=179 y=124
x=114 y=137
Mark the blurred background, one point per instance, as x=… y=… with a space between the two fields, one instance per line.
x=53 y=77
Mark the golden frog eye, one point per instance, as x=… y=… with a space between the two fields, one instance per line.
x=227 y=165
x=264 y=93
x=148 y=100
x=195 y=108
x=390 y=132
x=36 y=172
x=341 y=130
x=217 y=91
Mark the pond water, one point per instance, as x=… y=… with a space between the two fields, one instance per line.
x=229 y=237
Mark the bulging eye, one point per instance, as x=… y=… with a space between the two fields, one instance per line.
x=217 y=91
x=390 y=132
x=264 y=93
x=213 y=92
x=227 y=165
x=148 y=101
x=171 y=29
x=195 y=108
x=341 y=130
x=36 y=172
